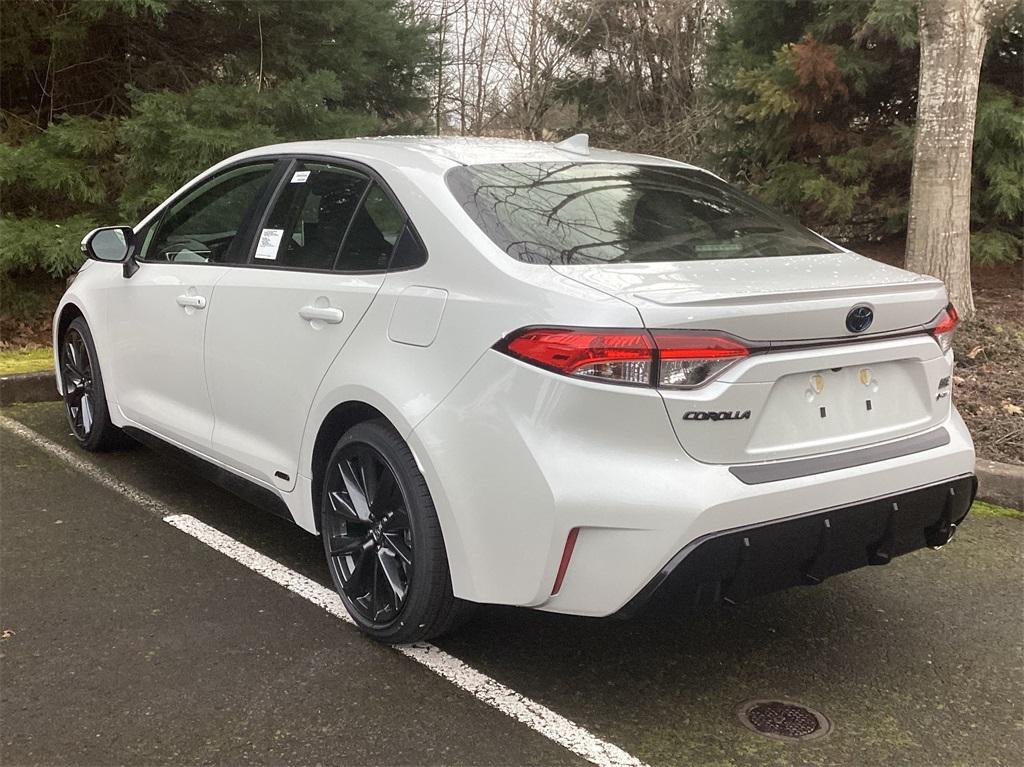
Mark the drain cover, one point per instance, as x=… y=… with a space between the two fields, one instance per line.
x=783 y=720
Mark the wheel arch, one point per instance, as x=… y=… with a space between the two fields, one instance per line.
x=84 y=299
x=347 y=414
x=67 y=314
x=340 y=419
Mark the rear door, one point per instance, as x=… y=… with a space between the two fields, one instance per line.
x=319 y=258
x=158 y=316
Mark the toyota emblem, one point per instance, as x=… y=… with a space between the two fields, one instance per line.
x=859 y=319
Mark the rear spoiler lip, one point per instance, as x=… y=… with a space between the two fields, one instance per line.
x=817 y=343
x=664 y=296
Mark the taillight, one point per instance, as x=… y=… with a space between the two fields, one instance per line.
x=689 y=359
x=608 y=355
x=945 y=325
x=663 y=358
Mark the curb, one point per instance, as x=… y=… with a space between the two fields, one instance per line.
x=1001 y=483
x=28 y=387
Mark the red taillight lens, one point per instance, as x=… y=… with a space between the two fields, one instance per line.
x=665 y=358
x=690 y=359
x=945 y=324
x=621 y=356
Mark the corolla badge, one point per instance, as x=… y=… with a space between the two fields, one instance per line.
x=716 y=415
x=859 y=319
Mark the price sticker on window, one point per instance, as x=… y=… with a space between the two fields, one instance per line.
x=300 y=177
x=270 y=241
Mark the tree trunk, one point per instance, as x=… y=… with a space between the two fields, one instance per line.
x=442 y=28
x=952 y=36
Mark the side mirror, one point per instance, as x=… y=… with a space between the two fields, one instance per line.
x=109 y=243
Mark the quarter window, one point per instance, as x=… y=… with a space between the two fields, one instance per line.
x=373 y=234
x=409 y=253
x=203 y=226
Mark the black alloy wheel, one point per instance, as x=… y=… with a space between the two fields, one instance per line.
x=368 y=535
x=85 y=399
x=383 y=540
x=76 y=374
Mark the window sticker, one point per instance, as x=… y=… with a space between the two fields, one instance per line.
x=270 y=241
x=300 y=177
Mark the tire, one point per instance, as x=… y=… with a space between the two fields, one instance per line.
x=383 y=540
x=85 y=399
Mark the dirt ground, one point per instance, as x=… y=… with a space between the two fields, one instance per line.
x=989 y=377
x=29 y=329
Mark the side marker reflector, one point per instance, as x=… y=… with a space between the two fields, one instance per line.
x=570 y=544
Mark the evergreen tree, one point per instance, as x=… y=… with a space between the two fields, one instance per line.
x=819 y=100
x=109 y=105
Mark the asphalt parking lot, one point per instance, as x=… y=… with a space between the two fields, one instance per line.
x=127 y=641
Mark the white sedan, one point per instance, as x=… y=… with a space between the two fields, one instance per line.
x=523 y=373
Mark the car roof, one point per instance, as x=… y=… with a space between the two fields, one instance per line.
x=439 y=153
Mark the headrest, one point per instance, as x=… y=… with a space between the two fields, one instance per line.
x=338 y=206
x=655 y=213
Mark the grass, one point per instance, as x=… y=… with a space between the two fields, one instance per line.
x=26 y=360
x=991 y=510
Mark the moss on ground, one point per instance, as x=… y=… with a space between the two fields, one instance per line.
x=26 y=360
x=991 y=510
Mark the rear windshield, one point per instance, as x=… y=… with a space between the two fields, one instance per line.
x=585 y=213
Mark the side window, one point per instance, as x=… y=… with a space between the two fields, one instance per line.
x=202 y=226
x=309 y=219
x=409 y=253
x=372 y=237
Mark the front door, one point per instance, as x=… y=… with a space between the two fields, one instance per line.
x=158 y=316
x=316 y=265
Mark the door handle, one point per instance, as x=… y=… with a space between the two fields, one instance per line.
x=196 y=302
x=327 y=314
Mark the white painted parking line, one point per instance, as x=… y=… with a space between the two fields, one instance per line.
x=91 y=470
x=534 y=715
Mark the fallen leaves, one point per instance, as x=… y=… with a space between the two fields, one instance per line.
x=989 y=380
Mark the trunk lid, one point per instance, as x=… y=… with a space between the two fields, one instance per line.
x=795 y=298
x=787 y=401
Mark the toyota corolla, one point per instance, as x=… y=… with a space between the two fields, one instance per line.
x=545 y=375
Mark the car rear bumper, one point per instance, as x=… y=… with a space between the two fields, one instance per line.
x=733 y=565
x=519 y=460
